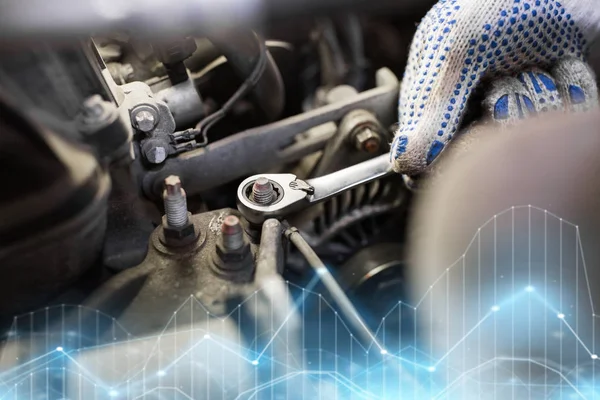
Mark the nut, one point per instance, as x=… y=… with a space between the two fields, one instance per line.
x=144 y=120
x=367 y=140
x=182 y=236
x=233 y=256
x=233 y=266
x=363 y=130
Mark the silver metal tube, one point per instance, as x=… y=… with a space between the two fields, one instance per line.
x=347 y=309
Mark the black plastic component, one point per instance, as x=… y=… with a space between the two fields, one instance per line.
x=172 y=54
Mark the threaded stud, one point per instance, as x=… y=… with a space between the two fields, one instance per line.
x=263 y=192
x=175 y=202
x=232 y=233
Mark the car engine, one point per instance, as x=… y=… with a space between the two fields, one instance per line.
x=127 y=203
x=206 y=210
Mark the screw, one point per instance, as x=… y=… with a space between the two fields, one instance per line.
x=156 y=155
x=262 y=191
x=367 y=140
x=232 y=233
x=144 y=120
x=175 y=202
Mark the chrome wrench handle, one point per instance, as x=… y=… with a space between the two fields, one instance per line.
x=327 y=186
x=294 y=194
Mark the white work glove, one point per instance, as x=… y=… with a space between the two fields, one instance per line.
x=532 y=51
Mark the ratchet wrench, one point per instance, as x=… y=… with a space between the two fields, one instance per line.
x=293 y=194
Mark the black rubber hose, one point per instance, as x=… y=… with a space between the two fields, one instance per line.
x=358 y=62
x=242 y=50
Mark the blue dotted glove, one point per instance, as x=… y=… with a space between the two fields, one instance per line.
x=459 y=43
x=570 y=85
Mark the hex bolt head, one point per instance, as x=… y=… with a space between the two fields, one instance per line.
x=156 y=155
x=172 y=185
x=144 y=120
x=367 y=140
x=263 y=192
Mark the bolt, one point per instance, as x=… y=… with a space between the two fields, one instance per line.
x=144 y=120
x=156 y=155
x=262 y=191
x=367 y=140
x=232 y=253
x=231 y=233
x=175 y=203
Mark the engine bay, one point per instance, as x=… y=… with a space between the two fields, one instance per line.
x=211 y=213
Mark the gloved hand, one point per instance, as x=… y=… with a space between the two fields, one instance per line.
x=461 y=43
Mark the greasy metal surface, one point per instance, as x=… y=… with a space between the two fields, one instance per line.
x=270 y=255
x=183 y=101
x=173 y=275
x=298 y=194
x=187 y=330
x=261 y=148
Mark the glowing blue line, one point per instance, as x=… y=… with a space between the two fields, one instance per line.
x=310 y=285
x=485 y=317
x=81 y=367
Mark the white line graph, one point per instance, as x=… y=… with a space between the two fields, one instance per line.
x=512 y=317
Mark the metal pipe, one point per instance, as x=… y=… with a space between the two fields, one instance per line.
x=347 y=309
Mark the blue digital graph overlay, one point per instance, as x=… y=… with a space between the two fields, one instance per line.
x=512 y=318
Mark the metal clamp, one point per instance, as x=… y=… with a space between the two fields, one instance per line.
x=293 y=194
